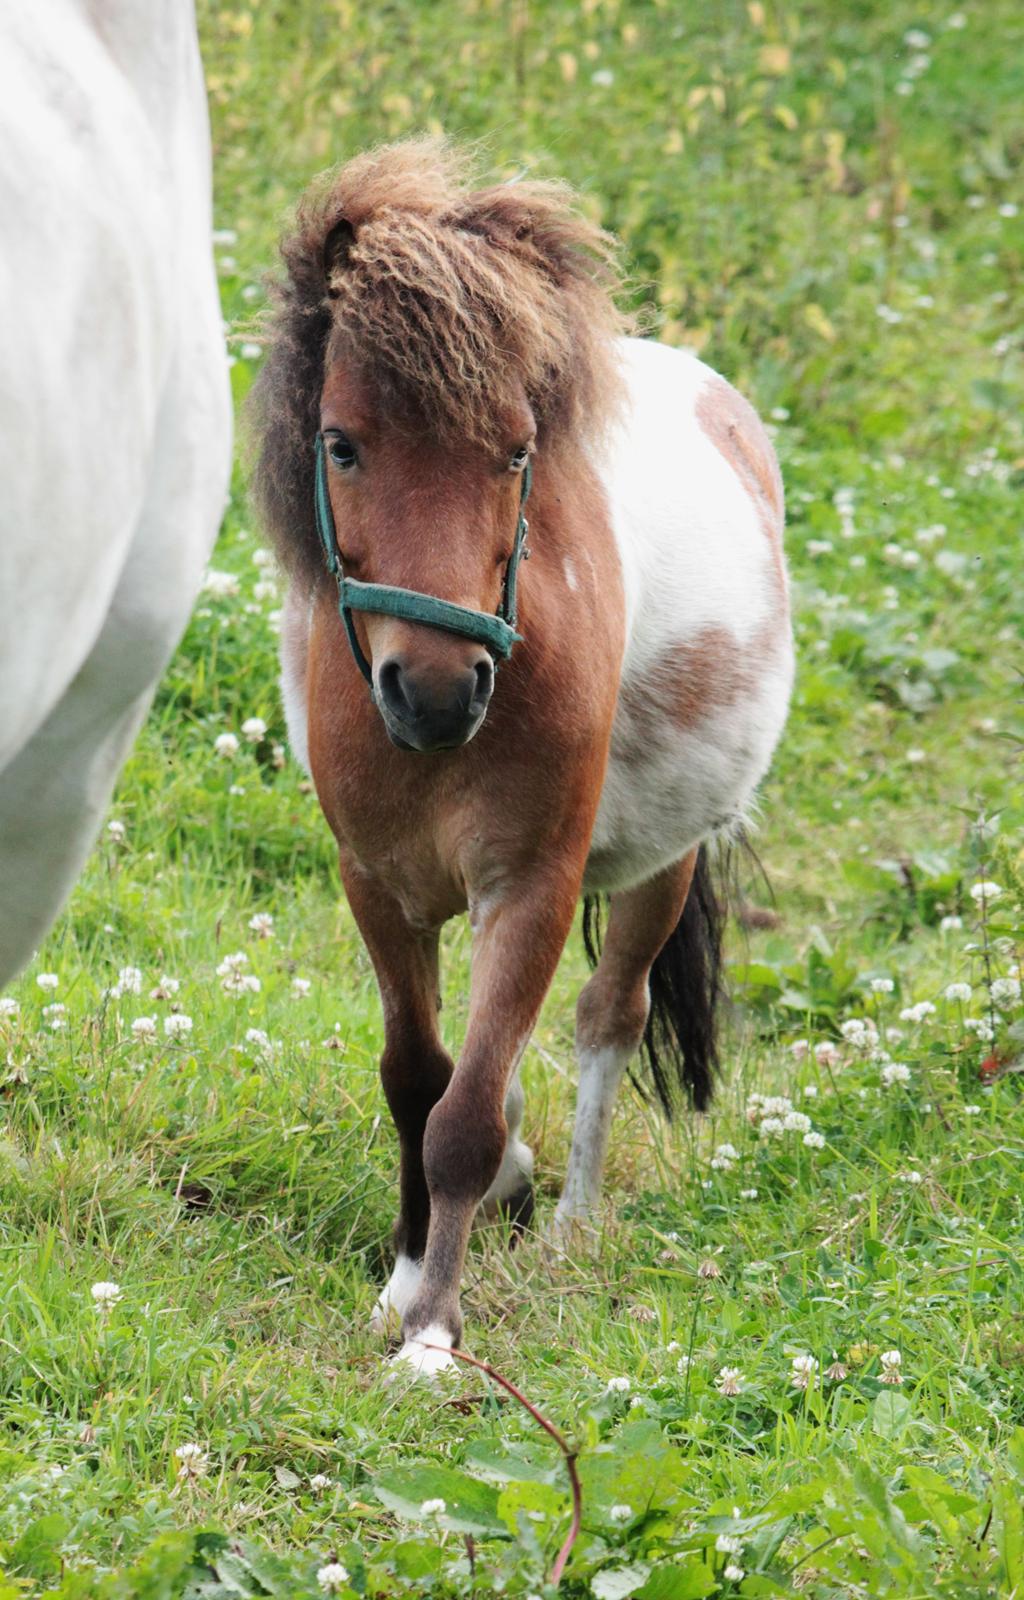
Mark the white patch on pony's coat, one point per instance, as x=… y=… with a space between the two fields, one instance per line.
x=296 y=619
x=421 y=1362
x=397 y=1296
x=694 y=556
x=600 y=1075
x=570 y=574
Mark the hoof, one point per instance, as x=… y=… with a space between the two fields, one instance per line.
x=572 y=1231
x=396 y=1297
x=426 y=1357
x=519 y=1209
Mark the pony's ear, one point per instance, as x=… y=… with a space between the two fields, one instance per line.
x=337 y=246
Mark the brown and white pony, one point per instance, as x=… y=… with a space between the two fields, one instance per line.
x=435 y=340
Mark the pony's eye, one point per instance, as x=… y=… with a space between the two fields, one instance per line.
x=342 y=451
x=519 y=459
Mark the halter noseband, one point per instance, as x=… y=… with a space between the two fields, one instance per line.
x=497 y=632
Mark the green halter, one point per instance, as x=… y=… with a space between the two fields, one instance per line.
x=498 y=633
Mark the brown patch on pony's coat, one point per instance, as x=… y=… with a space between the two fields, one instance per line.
x=453 y=302
x=736 y=430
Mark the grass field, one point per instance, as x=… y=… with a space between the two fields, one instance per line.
x=795 y=1367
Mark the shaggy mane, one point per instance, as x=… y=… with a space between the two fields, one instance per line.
x=447 y=297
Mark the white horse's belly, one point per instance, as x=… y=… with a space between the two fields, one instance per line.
x=708 y=664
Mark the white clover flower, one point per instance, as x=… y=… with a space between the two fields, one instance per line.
x=9 y=1007
x=300 y=988
x=226 y=745
x=1005 y=993
x=620 y=1514
x=266 y=589
x=826 y=1054
x=810 y=1091
x=129 y=981
x=956 y=21
x=1008 y=208
x=117 y=831
x=916 y=39
x=771 y=1128
x=980 y=892
x=262 y=557
x=319 y=1482
x=433 y=1508
x=733 y=1573
x=859 y=1031
x=917 y=1013
x=972 y=1111
x=882 y=986
x=796 y=1122
x=331 y=1576
x=618 y=1386
x=105 y=1295
x=144 y=1028
x=958 y=991
x=47 y=980
x=913 y=1177
x=814 y=1140
x=192 y=1460
x=232 y=963
x=730 y=1381
x=819 y=547
x=798 y=1049
x=950 y=924
x=254 y=729
x=719 y=1164
x=727 y=1544
x=177 y=1025
x=222 y=585
x=748 y=1194
x=165 y=988
x=262 y=924
x=978 y=1026
x=891 y=1363
x=776 y=1105
x=728 y=1152
x=895 y=1072
x=250 y=350
x=604 y=78
x=804 y=1368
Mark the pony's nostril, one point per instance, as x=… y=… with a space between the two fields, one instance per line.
x=392 y=689
x=484 y=680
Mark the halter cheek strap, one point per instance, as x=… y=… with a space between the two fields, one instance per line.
x=497 y=632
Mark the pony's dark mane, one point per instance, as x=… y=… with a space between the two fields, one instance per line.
x=451 y=300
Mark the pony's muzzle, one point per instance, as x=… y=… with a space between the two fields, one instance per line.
x=426 y=710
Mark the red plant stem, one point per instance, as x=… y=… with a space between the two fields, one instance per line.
x=549 y=1427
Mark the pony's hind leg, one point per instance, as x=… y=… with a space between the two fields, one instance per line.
x=511 y=1193
x=415 y=1069
x=611 y=1016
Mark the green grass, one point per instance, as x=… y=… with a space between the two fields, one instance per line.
x=851 y=255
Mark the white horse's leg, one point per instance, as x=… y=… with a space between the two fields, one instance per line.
x=610 y=1019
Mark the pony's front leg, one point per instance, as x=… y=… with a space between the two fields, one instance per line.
x=516 y=946
x=415 y=1068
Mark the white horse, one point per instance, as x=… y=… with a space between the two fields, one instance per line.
x=115 y=421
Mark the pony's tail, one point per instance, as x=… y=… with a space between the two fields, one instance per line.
x=680 y=1042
